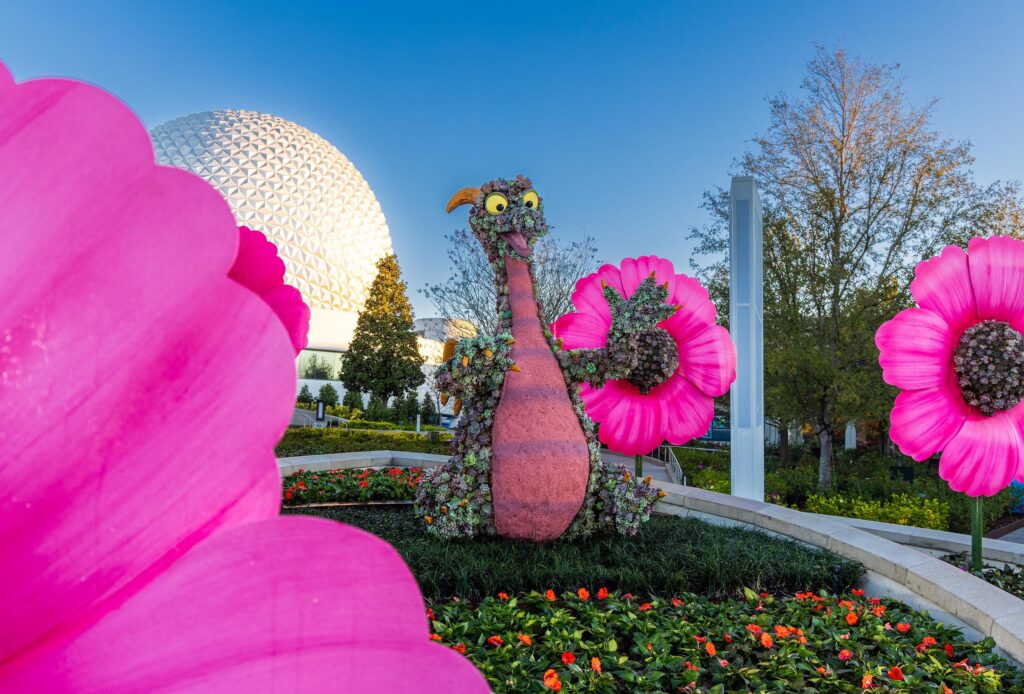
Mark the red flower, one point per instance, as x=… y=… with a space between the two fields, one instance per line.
x=754 y=629
x=584 y=594
x=845 y=654
x=878 y=610
x=903 y=627
x=627 y=596
x=288 y=494
x=364 y=484
x=460 y=647
x=949 y=650
x=723 y=662
x=851 y=618
x=676 y=602
x=727 y=638
x=568 y=658
x=525 y=639
x=495 y=640
x=430 y=614
x=503 y=596
x=550 y=595
x=435 y=637
x=895 y=673
x=699 y=639
x=858 y=592
x=646 y=606
x=551 y=680
x=602 y=593
x=929 y=641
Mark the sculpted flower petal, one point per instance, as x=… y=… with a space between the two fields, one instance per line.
x=984 y=455
x=924 y=421
x=580 y=330
x=634 y=426
x=589 y=296
x=687 y=411
x=636 y=270
x=696 y=312
x=997 y=275
x=708 y=360
x=943 y=285
x=916 y=349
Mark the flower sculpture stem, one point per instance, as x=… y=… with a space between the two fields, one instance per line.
x=977 y=529
x=638 y=465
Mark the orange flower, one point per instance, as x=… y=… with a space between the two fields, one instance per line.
x=650 y=646
x=428 y=520
x=903 y=627
x=895 y=673
x=525 y=639
x=460 y=647
x=845 y=654
x=710 y=648
x=595 y=664
x=495 y=640
x=602 y=594
x=754 y=629
x=878 y=610
x=851 y=618
x=766 y=641
x=584 y=594
x=435 y=637
x=866 y=681
x=929 y=641
x=503 y=596
x=781 y=631
x=676 y=602
x=946 y=690
x=550 y=595
x=568 y=658
x=551 y=680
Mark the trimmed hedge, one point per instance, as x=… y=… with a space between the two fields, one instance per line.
x=669 y=555
x=899 y=508
x=309 y=441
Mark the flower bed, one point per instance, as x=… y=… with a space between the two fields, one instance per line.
x=595 y=640
x=308 y=441
x=354 y=484
x=669 y=555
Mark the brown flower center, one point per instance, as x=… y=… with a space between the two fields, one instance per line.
x=989 y=363
x=657 y=359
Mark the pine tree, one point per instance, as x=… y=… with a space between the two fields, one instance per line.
x=383 y=358
x=353 y=399
x=376 y=409
x=428 y=411
x=328 y=394
x=304 y=396
x=410 y=407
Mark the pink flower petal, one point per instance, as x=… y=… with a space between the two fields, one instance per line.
x=589 y=296
x=686 y=412
x=633 y=426
x=636 y=270
x=916 y=349
x=924 y=421
x=580 y=330
x=120 y=324
x=943 y=285
x=696 y=310
x=985 y=455
x=258 y=268
x=599 y=402
x=997 y=275
x=263 y=608
x=708 y=360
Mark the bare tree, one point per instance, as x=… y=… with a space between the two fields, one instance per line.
x=857 y=189
x=469 y=295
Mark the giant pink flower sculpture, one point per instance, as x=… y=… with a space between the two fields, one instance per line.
x=959 y=360
x=141 y=394
x=635 y=419
x=258 y=267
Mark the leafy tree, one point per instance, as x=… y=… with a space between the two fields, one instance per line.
x=353 y=399
x=410 y=407
x=317 y=369
x=377 y=409
x=304 y=396
x=383 y=357
x=328 y=394
x=428 y=411
x=468 y=294
x=856 y=189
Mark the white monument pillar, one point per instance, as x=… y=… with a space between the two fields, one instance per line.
x=746 y=301
x=851 y=436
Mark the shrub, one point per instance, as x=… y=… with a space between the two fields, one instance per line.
x=328 y=394
x=305 y=396
x=668 y=556
x=590 y=641
x=899 y=508
x=309 y=441
x=353 y=399
x=1008 y=578
x=353 y=484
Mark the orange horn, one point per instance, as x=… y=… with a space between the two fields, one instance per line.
x=466 y=196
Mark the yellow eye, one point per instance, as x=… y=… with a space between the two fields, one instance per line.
x=496 y=203
x=531 y=199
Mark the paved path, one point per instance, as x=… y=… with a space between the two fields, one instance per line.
x=1014 y=536
x=307 y=418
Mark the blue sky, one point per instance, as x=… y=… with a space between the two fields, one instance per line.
x=621 y=113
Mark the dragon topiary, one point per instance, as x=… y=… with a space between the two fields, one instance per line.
x=526 y=461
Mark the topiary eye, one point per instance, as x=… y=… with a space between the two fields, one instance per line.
x=531 y=199
x=496 y=203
